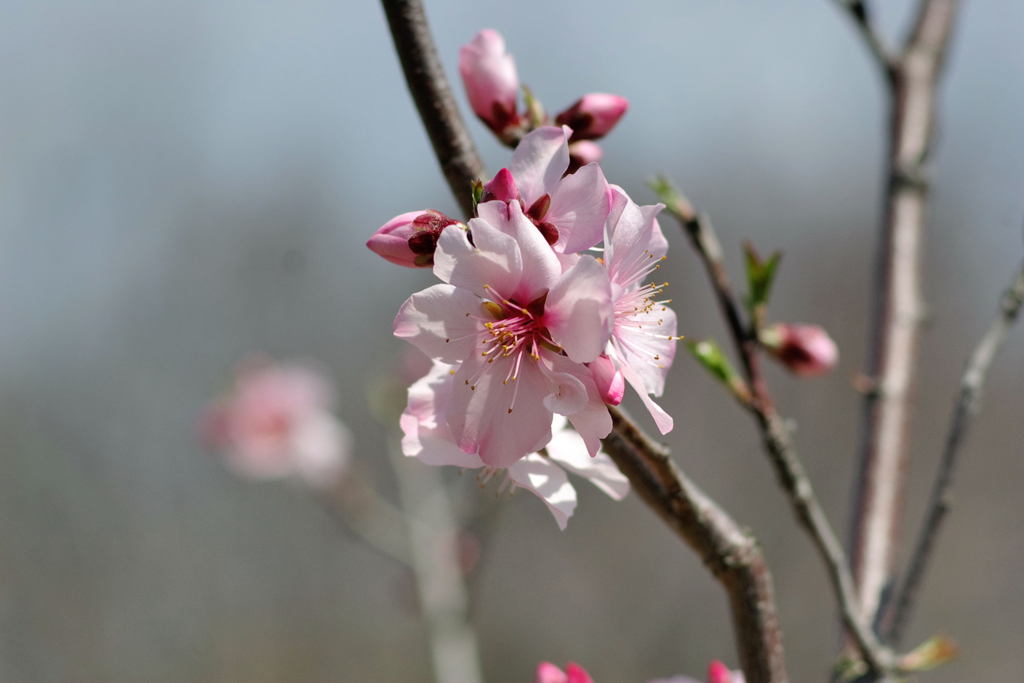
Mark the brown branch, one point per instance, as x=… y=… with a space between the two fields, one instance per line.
x=897 y=308
x=775 y=435
x=731 y=554
x=727 y=550
x=424 y=74
x=940 y=501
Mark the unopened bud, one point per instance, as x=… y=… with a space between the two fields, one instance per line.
x=502 y=187
x=610 y=383
x=410 y=239
x=581 y=153
x=593 y=116
x=804 y=349
x=492 y=84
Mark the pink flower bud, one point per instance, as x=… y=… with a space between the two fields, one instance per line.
x=719 y=673
x=574 y=673
x=489 y=75
x=610 y=383
x=804 y=349
x=583 y=152
x=410 y=239
x=502 y=187
x=593 y=116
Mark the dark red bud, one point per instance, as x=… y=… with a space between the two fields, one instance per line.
x=549 y=231
x=539 y=208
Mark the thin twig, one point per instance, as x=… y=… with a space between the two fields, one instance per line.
x=775 y=435
x=939 y=503
x=424 y=74
x=433 y=554
x=732 y=555
x=858 y=12
x=727 y=550
x=897 y=308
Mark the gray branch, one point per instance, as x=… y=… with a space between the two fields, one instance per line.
x=940 y=501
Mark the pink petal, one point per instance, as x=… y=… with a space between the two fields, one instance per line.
x=579 y=208
x=539 y=161
x=550 y=483
x=492 y=259
x=610 y=382
x=662 y=419
x=479 y=410
x=540 y=264
x=578 y=311
x=576 y=674
x=391 y=240
x=645 y=342
x=549 y=673
x=592 y=421
x=439 y=321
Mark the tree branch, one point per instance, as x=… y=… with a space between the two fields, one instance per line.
x=731 y=554
x=897 y=308
x=940 y=501
x=424 y=74
x=727 y=550
x=775 y=435
x=858 y=12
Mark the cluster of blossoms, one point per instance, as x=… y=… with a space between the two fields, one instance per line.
x=526 y=331
x=276 y=422
x=574 y=673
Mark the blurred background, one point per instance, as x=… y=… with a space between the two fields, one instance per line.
x=182 y=183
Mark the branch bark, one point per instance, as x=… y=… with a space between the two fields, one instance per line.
x=939 y=503
x=424 y=75
x=897 y=309
x=729 y=552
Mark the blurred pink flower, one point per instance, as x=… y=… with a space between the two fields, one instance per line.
x=574 y=673
x=492 y=85
x=804 y=349
x=643 y=341
x=427 y=438
x=410 y=239
x=277 y=422
x=519 y=330
x=569 y=210
x=583 y=152
x=717 y=673
x=593 y=116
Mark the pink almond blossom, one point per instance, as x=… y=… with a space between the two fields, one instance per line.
x=804 y=349
x=550 y=673
x=277 y=422
x=489 y=75
x=643 y=342
x=569 y=210
x=427 y=438
x=593 y=116
x=519 y=329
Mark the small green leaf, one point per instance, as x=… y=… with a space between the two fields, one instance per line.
x=760 y=276
x=534 y=109
x=672 y=198
x=933 y=652
x=478 y=193
x=714 y=361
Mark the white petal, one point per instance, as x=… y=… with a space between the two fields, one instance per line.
x=539 y=161
x=548 y=482
x=568 y=450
